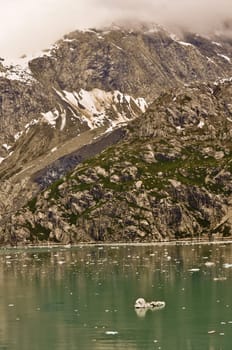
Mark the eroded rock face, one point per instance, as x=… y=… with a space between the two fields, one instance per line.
x=90 y=83
x=140 y=63
x=125 y=195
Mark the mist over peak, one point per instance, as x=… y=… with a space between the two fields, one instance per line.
x=27 y=27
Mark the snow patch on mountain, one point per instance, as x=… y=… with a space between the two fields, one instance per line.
x=216 y=43
x=6 y=146
x=16 y=73
x=98 y=108
x=210 y=60
x=32 y=122
x=225 y=57
x=18 y=68
x=201 y=124
x=177 y=40
x=63 y=120
x=50 y=117
x=17 y=135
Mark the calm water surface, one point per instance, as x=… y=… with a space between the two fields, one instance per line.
x=82 y=298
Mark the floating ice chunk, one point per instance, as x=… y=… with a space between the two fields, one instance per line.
x=220 y=279
x=227 y=266
x=209 y=263
x=68 y=245
x=142 y=304
x=111 y=332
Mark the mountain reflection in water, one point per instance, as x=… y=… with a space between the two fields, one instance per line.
x=83 y=297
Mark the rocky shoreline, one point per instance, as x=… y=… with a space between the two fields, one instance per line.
x=52 y=245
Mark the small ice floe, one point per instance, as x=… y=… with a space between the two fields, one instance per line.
x=220 y=278
x=209 y=264
x=143 y=304
x=227 y=266
x=61 y=262
x=111 y=332
x=68 y=245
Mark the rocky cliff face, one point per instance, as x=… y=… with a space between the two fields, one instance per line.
x=64 y=82
x=170 y=177
x=139 y=62
x=91 y=83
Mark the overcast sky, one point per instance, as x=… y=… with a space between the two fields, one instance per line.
x=27 y=26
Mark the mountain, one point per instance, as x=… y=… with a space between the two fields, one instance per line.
x=139 y=63
x=73 y=100
x=169 y=177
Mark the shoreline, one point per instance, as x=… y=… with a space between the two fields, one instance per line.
x=184 y=242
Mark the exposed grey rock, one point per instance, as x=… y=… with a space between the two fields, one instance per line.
x=167 y=175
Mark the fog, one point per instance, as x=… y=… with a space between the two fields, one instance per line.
x=27 y=26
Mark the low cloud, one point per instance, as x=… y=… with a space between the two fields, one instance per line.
x=27 y=26
x=192 y=14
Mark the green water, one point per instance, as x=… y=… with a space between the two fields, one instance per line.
x=82 y=298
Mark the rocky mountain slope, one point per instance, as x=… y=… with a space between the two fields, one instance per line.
x=61 y=107
x=62 y=85
x=169 y=177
